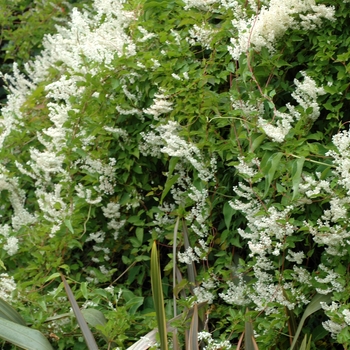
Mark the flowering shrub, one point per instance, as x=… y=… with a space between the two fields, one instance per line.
x=226 y=116
x=23 y=24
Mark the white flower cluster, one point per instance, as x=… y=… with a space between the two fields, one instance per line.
x=346 y=314
x=11 y=245
x=247 y=109
x=200 y=4
x=313 y=20
x=11 y=114
x=146 y=35
x=271 y=22
x=53 y=207
x=266 y=231
x=160 y=106
x=187 y=257
x=95 y=36
x=335 y=309
x=330 y=229
x=280 y=130
x=106 y=177
x=333 y=327
x=163 y=218
x=313 y=187
x=201 y=35
x=342 y=158
x=7 y=286
x=199 y=211
x=21 y=216
x=301 y=275
x=237 y=293
x=203 y=295
x=335 y=238
x=296 y=257
x=197 y=216
x=330 y=280
x=305 y=94
x=261 y=228
x=112 y=212
x=248 y=169
x=212 y=344
x=166 y=140
x=266 y=292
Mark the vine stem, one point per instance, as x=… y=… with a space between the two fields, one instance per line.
x=313 y=161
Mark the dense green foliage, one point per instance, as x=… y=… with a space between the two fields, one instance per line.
x=155 y=120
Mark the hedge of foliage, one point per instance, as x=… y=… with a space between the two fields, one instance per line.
x=218 y=128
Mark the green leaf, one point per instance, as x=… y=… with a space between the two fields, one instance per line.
x=139 y=234
x=9 y=313
x=172 y=163
x=169 y=183
x=53 y=276
x=94 y=317
x=269 y=166
x=89 y=338
x=68 y=224
x=157 y=293
x=22 y=336
x=180 y=286
x=257 y=141
x=133 y=304
x=84 y=291
x=231 y=68
x=228 y=212
x=297 y=168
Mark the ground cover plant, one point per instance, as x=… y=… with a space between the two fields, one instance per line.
x=218 y=129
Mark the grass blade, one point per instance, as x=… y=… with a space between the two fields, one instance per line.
x=174 y=261
x=313 y=306
x=149 y=339
x=240 y=341
x=249 y=339
x=193 y=334
x=176 y=345
x=175 y=270
x=157 y=292
x=89 y=338
x=306 y=345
